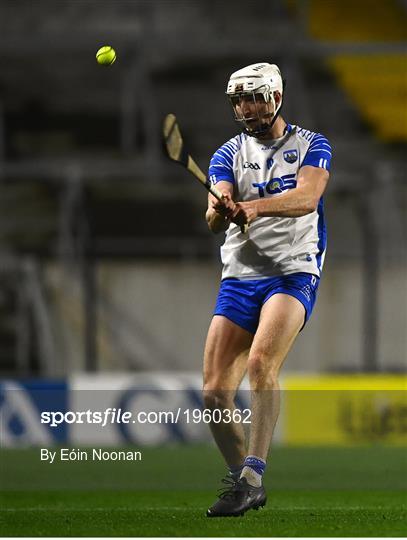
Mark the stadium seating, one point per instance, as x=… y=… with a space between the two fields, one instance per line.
x=375 y=83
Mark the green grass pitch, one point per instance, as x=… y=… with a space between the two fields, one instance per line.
x=312 y=492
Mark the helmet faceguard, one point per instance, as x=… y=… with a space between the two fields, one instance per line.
x=256 y=83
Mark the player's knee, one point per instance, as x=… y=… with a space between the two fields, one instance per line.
x=216 y=398
x=256 y=366
x=261 y=371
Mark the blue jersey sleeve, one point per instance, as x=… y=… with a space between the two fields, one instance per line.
x=319 y=153
x=221 y=165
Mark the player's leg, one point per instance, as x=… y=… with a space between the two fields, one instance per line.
x=225 y=358
x=281 y=319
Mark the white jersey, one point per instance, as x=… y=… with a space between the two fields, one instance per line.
x=273 y=245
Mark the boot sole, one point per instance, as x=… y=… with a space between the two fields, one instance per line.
x=239 y=514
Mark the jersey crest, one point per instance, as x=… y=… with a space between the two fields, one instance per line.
x=290 y=156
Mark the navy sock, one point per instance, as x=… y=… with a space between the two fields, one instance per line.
x=255 y=463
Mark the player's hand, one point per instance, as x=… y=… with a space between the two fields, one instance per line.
x=245 y=212
x=225 y=207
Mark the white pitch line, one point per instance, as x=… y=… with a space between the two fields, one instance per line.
x=100 y=509
x=143 y=508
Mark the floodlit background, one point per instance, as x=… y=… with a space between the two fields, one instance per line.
x=105 y=258
x=106 y=262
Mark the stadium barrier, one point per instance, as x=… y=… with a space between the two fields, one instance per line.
x=159 y=408
x=345 y=410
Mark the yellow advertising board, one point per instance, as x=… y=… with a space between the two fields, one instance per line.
x=344 y=410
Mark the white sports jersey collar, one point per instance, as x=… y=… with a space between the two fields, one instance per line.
x=270 y=142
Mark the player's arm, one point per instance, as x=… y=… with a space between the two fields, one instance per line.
x=302 y=200
x=221 y=173
x=219 y=213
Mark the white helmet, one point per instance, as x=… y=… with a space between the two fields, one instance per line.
x=261 y=78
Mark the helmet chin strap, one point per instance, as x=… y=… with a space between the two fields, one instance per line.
x=264 y=128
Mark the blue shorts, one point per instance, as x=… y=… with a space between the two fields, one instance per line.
x=241 y=300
